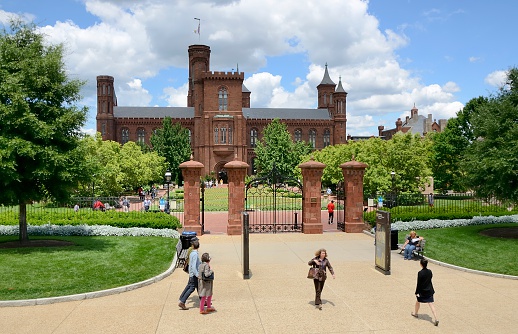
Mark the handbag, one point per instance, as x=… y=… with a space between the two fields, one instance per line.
x=312 y=273
x=208 y=278
x=186 y=267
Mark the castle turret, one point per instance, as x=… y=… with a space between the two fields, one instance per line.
x=106 y=100
x=199 y=62
x=339 y=114
x=325 y=89
x=246 y=97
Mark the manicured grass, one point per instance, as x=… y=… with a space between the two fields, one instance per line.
x=91 y=264
x=466 y=247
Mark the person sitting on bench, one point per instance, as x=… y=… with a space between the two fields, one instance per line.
x=410 y=243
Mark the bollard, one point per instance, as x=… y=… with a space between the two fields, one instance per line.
x=246 y=246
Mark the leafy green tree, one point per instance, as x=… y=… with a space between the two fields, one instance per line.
x=449 y=146
x=41 y=155
x=491 y=161
x=277 y=147
x=405 y=154
x=172 y=142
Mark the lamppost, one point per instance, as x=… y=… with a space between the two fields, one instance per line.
x=393 y=176
x=168 y=181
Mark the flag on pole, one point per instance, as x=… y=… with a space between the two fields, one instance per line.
x=197 y=31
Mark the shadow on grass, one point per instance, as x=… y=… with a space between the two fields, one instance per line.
x=52 y=244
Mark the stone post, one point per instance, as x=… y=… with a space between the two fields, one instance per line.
x=191 y=172
x=353 y=172
x=312 y=202
x=236 y=172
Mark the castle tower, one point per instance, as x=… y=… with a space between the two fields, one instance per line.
x=325 y=89
x=199 y=62
x=106 y=100
x=340 y=114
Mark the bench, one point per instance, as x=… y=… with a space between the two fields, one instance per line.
x=418 y=251
x=181 y=254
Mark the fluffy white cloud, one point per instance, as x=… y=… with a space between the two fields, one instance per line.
x=496 y=78
x=143 y=39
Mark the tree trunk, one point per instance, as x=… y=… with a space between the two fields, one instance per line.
x=23 y=223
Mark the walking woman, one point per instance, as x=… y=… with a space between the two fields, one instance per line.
x=320 y=262
x=206 y=282
x=424 y=290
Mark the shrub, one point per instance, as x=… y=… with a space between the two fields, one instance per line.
x=157 y=220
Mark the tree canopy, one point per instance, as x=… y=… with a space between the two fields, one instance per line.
x=172 y=142
x=491 y=161
x=40 y=122
x=277 y=147
x=405 y=154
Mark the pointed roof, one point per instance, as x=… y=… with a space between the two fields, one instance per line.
x=340 y=88
x=327 y=80
x=244 y=89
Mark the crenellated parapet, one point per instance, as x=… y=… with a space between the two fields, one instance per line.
x=216 y=75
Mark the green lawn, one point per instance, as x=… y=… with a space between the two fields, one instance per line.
x=91 y=264
x=466 y=247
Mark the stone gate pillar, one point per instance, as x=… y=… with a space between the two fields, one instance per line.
x=353 y=172
x=191 y=172
x=312 y=202
x=236 y=172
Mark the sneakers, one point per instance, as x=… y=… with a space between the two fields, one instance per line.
x=182 y=306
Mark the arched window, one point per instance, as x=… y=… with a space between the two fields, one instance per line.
x=223 y=135
x=327 y=137
x=312 y=137
x=216 y=133
x=298 y=135
x=141 y=135
x=223 y=99
x=325 y=98
x=331 y=98
x=124 y=135
x=190 y=134
x=230 y=135
x=103 y=129
x=253 y=138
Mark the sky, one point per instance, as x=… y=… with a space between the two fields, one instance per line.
x=390 y=55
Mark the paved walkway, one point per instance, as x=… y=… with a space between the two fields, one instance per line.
x=278 y=298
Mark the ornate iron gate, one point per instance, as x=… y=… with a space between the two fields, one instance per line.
x=274 y=203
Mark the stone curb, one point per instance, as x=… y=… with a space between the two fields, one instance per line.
x=90 y=295
x=452 y=266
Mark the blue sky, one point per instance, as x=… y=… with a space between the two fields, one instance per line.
x=389 y=54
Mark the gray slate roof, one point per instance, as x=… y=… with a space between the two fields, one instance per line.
x=286 y=113
x=326 y=80
x=340 y=88
x=254 y=113
x=153 y=112
x=416 y=125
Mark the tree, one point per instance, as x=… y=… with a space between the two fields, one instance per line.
x=405 y=154
x=449 y=146
x=39 y=122
x=491 y=161
x=277 y=147
x=172 y=142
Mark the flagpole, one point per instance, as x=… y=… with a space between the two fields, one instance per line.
x=199 y=23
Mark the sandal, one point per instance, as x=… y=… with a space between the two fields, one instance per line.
x=436 y=323
x=416 y=316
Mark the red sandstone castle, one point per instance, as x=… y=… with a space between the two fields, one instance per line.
x=222 y=125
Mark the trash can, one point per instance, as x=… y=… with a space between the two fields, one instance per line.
x=186 y=238
x=393 y=239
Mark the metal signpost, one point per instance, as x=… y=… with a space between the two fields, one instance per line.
x=382 y=256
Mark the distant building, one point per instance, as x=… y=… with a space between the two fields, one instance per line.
x=414 y=124
x=221 y=123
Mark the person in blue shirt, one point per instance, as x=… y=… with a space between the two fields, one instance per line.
x=192 y=284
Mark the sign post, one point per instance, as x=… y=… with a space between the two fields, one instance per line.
x=382 y=237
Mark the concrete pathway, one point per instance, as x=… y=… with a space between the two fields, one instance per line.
x=278 y=298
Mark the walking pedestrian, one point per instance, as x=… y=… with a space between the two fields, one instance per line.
x=424 y=290
x=331 y=210
x=192 y=283
x=320 y=262
x=205 y=284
